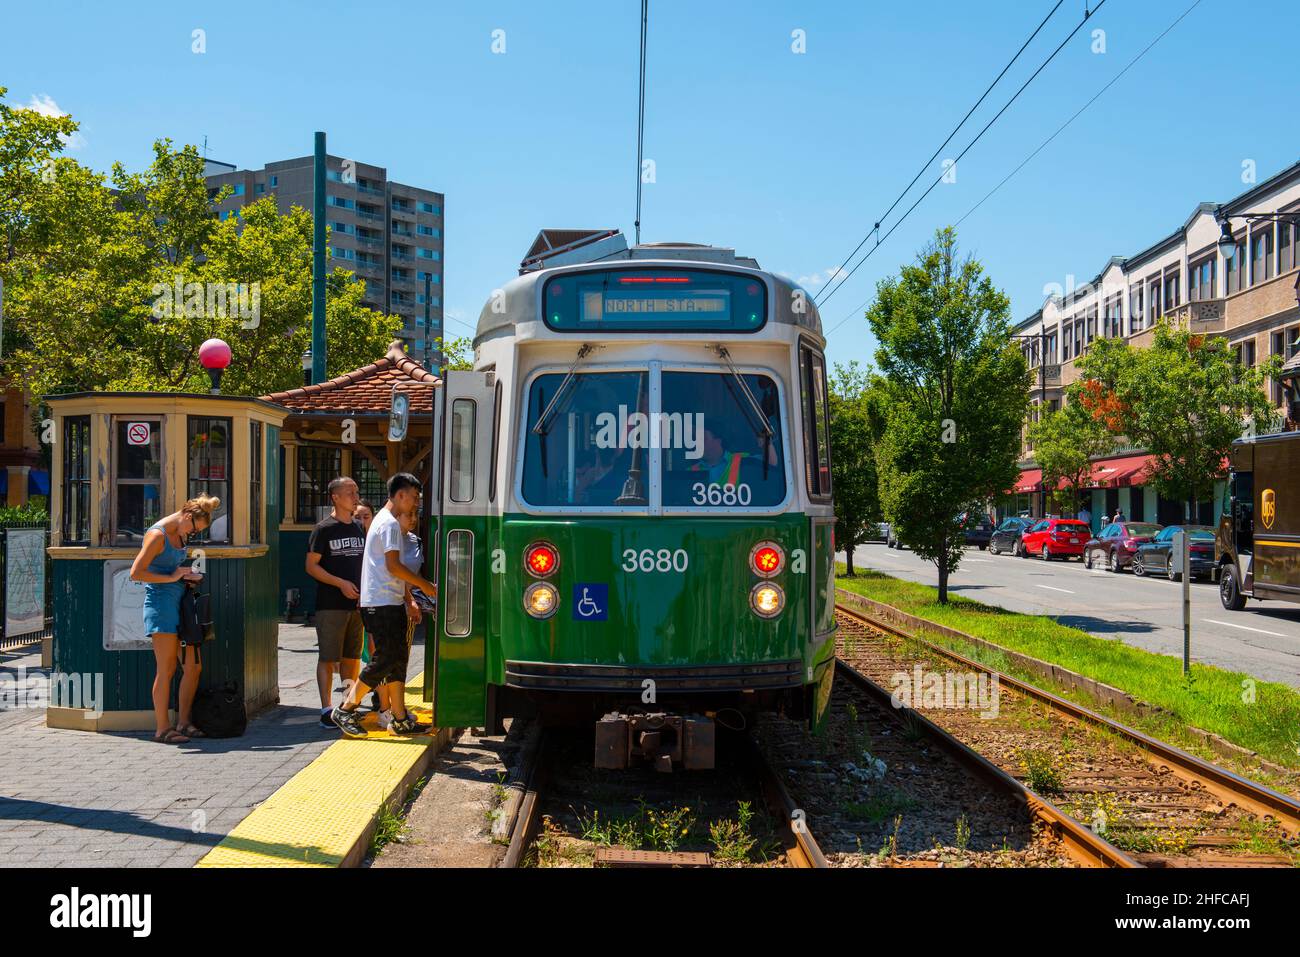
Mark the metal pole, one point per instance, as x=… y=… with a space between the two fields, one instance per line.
x=1042 y=403
x=1185 y=551
x=428 y=282
x=640 y=119
x=318 y=263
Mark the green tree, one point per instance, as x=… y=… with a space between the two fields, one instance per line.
x=30 y=142
x=853 y=463
x=1065 y=441
x=954 y=392
x=1185 y=398
x=122 y=286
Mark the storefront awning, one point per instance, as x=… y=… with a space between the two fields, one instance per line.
x=1029 y=480
x=1114 y=472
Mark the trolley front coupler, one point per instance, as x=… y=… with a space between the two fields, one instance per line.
x=662 y=739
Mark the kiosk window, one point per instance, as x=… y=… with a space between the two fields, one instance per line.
x=316 y=467
x=208 y=440
x=137 y=477
x=255 y=507
x=76 y=480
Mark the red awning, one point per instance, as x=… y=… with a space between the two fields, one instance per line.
x=1125 y=470
x=1029 y=480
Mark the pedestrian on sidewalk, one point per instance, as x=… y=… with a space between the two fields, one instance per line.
x=384 y=610
x=413 y=559
x=334 y=561
x=158 y=565
x=1085 y=516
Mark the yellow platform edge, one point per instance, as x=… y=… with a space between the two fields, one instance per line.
x=326 y=814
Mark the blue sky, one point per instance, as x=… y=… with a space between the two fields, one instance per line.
x=788 y=157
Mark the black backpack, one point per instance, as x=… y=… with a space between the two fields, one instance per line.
x=219 y=712
x=196 y=617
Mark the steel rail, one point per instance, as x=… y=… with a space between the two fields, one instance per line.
x=1222 y=783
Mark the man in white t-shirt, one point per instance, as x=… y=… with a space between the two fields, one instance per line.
x=386 y=606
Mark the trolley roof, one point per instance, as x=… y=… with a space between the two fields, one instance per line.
x=521 y=302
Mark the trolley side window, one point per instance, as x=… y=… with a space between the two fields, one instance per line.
x=585 y=452
x=721 y=440
x=816 y=422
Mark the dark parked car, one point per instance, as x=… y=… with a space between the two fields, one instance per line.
x=1115 y=545
x=1054 y=538
x=1006 y=537
x=977 y=529
x=1154 y=556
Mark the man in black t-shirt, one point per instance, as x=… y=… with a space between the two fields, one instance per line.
x=334 y=559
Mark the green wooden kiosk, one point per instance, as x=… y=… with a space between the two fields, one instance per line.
x=121 y=461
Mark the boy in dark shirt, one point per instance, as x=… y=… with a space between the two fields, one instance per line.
x=334 y=559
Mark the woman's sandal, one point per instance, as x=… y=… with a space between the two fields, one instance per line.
x=191 y=731
x=170 y=736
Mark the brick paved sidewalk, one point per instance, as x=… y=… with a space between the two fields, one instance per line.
x=80 y=799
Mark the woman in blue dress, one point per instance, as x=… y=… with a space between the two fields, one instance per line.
x=159 y=566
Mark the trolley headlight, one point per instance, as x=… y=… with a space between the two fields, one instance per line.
x=767 y=599
x=541 y=559
x=541 y=599
x=767 y=559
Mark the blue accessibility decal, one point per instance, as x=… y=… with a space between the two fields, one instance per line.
x=591 y=602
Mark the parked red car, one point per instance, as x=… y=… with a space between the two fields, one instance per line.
x=1055 y=538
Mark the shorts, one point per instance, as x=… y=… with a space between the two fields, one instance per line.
x=338 y=633
x=391 y=630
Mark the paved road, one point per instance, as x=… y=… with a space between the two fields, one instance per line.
x=1263 y=640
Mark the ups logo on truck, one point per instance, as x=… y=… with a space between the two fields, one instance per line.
x=1268 y=507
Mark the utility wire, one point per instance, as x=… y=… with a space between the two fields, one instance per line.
x=1095 y=98
x=640 y=118
x=926 y=165
x=880 y=240
x=1061 y=129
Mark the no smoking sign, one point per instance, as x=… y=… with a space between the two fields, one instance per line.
x=137 y=433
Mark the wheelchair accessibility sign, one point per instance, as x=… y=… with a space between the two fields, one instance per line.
x=591 y=602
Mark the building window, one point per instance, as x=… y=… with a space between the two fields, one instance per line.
x=424 y=230
x=1261 y=256
x=137 y=477
x=1200 y=280
x=259 y=188
x=1153 y=301
x=256 y=508
x=430 y=208
x=1277 y=347
x=208 y=441
x=239 y=190
x=423 y=253
x=1051 y=346
x=275 y=181
x=317 y=467
x=346 y=228
x=76 y=480
x=341 y=201
x=1235 y=270
x=1286 y=246
x=1172 y=289
x=337 y=253
x=1135 y=311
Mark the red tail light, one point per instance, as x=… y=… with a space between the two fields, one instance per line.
x=541 y=559
x=766 y=559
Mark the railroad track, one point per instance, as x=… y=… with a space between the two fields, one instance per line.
x=1155 y=804
x=556 y=775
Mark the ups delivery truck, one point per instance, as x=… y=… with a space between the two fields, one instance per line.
x=1257 y=544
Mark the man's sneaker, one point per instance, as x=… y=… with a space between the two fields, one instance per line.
x=325 y=720
x=407 y=725
x=349 y=722
x=385 y=718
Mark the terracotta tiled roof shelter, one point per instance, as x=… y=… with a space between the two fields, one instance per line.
x=366 y=391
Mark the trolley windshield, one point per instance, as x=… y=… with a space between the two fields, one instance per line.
x=716 y=437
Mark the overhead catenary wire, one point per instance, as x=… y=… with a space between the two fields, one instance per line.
x=926 y=165
x=640 y=119
x=987 y=126
x=1059 y=130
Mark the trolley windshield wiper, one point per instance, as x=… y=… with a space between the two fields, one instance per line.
x=553 y=407
x=749 y=405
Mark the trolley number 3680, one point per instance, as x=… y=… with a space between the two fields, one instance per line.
x=650 y=560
